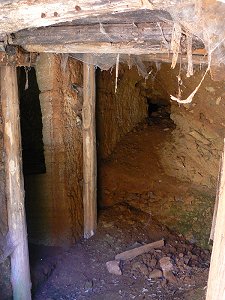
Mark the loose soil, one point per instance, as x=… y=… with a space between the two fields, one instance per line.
x=80 y=272
x=139 y=204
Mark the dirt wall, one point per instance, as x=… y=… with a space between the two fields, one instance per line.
x=118 y=113
x=54 y=199
x=197 y=141
x=192 y=153
x=189 y=153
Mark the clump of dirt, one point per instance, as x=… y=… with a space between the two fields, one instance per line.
x=81 y=273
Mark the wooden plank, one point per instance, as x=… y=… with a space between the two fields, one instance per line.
x=89 y=152
x=130 y=254
x=95 y=33
x=155 y=33
x=167 y=58
x=216 y=280
x=20 y=14
x=99 y=48
x=20 y=273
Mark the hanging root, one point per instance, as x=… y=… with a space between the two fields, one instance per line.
x=189 y=55
x=117 y=70
x=190 y=97
x=64 y=60
x=175 y=43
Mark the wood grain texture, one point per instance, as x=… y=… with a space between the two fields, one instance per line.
x=89 y=152
x=158 y=33
x=20 y=273
x=21 y=14
x=130 y=254
x=216 y=281
x=99 y=48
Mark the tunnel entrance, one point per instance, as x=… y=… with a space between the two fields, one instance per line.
x=153 y=185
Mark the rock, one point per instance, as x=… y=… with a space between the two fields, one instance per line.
x=140 y=267
x=114 y=267
x=155 y=274
x=88 y=285
x=152 y=263
x=166 y=264
x=167 y=267
x=170 y=276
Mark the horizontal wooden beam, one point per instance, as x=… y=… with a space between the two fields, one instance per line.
x=115 y=33
x=20 y=14
x=197 y=59
x=13 y=56
x=153 y=33
x=99 y=48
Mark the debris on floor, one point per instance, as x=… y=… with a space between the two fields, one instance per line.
x=89 y=271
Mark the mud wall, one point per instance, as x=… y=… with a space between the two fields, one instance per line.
x=118 y=113
x=54 y=199
x=194 y=152
x=190 y=152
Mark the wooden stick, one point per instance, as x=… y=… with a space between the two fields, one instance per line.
x=130 y=254
x=20 y=272
x=89 y=152
x=216 y=281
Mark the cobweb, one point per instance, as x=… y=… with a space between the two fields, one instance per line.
x=204 y=19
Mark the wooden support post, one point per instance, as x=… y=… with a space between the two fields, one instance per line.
x=216 y=281
x=20 y=272
x=89 y=152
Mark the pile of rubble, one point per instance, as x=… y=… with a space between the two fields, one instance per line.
x=171 y=263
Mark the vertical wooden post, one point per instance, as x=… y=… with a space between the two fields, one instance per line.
x=216 y=281
x=89 y=152
x=20 y=272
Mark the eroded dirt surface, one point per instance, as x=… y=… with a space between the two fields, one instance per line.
x=80 y=272
x=134 y=173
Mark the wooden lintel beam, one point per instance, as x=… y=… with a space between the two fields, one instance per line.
x=99 y=48
x=15 y=57
x=197 y=59
x=153 y=33
x=21 y=14
x=147 y=51
x=95 y=33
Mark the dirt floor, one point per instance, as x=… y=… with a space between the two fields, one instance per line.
x=138 y=200
x=81 y=273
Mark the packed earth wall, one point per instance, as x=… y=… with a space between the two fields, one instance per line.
x=188 y=152
x=117 y=113
x=54 y=199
